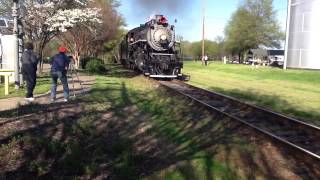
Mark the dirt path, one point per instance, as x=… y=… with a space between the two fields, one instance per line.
x=75 y=89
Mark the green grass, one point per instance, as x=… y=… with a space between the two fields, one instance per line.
x=172 y=123
x=43 y=85
x=292 y=92
x=129 y=129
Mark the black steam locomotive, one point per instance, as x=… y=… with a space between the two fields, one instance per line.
x=152 y=49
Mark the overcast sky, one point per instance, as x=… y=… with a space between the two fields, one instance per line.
x=188 y=13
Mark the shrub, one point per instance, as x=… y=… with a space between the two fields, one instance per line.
x=84 y=61
x=46 y=60
x=95 y=66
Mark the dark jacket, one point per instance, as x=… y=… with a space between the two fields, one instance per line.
x=60 y=62
x=29 y=61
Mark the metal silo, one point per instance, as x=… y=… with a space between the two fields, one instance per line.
x=303 y=34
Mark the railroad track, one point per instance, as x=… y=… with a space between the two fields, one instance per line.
x=294 y=133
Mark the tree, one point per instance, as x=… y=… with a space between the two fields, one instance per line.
x=43 y=20
x=36 y=30
x=50 y=19
x=88 y=37
x=186 y=48
x=211 y=49
x=6 y=8
x=254 y=24
x=111 y=48
x=214 y=49
x=220 y=47
x=77 y=29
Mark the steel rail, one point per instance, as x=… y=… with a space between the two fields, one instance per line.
x=257 y=107
x=312 y=128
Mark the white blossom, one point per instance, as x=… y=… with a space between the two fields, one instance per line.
x=68 y=18
x=48 y=14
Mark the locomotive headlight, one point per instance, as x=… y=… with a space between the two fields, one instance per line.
x=163 y=37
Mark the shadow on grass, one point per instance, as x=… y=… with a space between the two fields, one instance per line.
x=113 y=70
x=116 y=132
x=122 y=146
x=118 y=71
x=43 y=85
x=276 y=103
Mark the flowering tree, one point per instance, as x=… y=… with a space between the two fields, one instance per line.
x=77 y=39
x=76 y=26
x=63 y=20
x=35 y=29
x=83 y=25
x=43 y=21
x=97 y=26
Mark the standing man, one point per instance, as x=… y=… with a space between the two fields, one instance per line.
x=206 y=60
x=29 y=69
x=59 y=67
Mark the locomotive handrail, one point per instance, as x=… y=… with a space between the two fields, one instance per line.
x=141 y=40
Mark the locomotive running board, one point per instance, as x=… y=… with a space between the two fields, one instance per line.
x=163 y=76
x=162 y=54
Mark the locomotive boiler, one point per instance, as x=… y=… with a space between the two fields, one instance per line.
x=152 y=49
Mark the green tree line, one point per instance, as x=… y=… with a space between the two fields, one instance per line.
x=214 y=49
x=252 y=25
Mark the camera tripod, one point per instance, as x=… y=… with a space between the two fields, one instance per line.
x=74 y=74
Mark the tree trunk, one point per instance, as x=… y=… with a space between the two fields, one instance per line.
x=239 y=57
x=116 y=58
x=41 y=47
x=40 y=62
x=76 y=57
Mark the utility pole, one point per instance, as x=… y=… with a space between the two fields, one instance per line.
x=16 y=44
x=203 y=29
x=287 y=35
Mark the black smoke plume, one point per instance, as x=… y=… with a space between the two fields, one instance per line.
x=167 y=7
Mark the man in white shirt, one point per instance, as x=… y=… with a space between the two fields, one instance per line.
x=206 y=60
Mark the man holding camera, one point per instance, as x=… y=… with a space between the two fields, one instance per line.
x=59 y=67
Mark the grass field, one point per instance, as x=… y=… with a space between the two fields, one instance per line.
x=43 y=86
x=292 y=92
x=128 y=128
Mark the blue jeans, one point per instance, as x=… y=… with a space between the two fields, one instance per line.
x=63 y=78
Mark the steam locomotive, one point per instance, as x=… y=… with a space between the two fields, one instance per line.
x=152 y=49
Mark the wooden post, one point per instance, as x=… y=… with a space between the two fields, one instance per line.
x=15 y=15
x=6 y=73
x=6 y=85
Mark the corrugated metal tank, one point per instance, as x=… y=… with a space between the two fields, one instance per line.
x=303 y=34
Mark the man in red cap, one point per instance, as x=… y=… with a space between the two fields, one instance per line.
x=59 y=67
